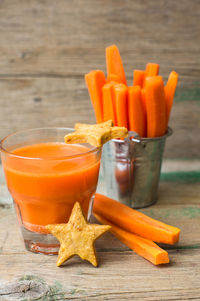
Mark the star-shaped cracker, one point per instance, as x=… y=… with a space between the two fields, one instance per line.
x=96 y=134
x=77 y=237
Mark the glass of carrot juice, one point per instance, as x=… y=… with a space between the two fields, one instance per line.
x=45 y=177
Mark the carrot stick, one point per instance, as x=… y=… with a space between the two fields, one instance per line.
x=109 y=112
x=170 y=89
x=114 y=63
x=151 y=69
x=134 y=221
x=155 y=106
x=144 y=109
x=136 y=115
x=113 y=78
x=138 y=77
x=143 y=101
x=120 y=98
x=142 y=246
x=95 y=81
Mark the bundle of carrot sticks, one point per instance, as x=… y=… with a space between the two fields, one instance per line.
x=135 y=229
x=144 y=107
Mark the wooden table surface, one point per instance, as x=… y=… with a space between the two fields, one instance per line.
x=46 y=48
x=121 y=275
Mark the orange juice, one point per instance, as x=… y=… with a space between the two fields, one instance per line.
x=46 y=179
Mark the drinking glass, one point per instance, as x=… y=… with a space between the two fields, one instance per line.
x=45 y=185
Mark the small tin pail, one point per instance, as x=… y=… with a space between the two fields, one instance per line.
x=131 y=169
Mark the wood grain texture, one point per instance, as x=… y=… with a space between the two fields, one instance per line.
x=47 y=47
x=39 y=102
x=122 y=275
x=45 y=37
x=132 y=280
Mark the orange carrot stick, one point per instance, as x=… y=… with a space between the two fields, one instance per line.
x=134 y=221
x=109 y=111
x=120 y=98
x=142 y=246
x=136 y=115
x=155 y=106
x=151 y=69
x=143 y=102
x=114 y=63
x=170 y=89
x=113 y=78
x=95 y=81
x=138 y=77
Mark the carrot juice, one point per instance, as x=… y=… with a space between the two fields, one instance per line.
x=46 y=179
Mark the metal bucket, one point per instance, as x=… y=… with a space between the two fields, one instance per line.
x=131 y=169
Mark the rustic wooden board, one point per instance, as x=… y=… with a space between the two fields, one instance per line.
x=46 y=38
x=121 y=274
x=46 y=48
x=39 y=102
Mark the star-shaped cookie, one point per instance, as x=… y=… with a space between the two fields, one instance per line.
x=77 y=237
x=96 y=134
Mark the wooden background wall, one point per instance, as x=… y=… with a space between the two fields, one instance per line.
x=47 y=46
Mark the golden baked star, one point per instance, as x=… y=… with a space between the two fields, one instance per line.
x=96 y=134
x=77 y=237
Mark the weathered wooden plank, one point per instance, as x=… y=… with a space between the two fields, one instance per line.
x=27 y=103
x=186 y=127
x=178 y=205
x=38 y=102
x=30 y=288
x=46 y=47
x=46 y=38
x=178 y=165
x=42 y=66
x=121 y=274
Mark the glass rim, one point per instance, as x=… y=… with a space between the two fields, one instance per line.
x=2 y=148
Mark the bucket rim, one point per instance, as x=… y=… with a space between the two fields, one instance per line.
x=141 y=139
x=134 y=137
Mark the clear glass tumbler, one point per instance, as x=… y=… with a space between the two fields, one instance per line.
x=45 y=177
